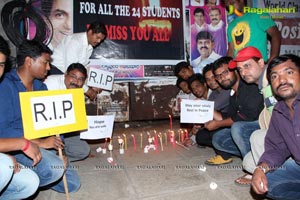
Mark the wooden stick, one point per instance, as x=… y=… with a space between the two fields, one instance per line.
x=64 y=176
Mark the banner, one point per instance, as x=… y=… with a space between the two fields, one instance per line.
x=46 y=113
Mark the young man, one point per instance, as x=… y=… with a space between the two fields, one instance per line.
x=205 y=46
x=74 y=77
x=16 y=182
x=251 y=67
x=33 y=61
x=278 y=170
x=245 y=105
x=198 y=86
x=183 y=70
x=77 y=48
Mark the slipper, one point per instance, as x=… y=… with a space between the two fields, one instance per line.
x=244 y=180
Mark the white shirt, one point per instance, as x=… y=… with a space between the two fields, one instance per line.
x=55 y=82
x=217 y=27
x=198 y=64
x=72 y=49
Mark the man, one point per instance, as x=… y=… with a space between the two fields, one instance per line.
x=77 y=48
x=278 y=170
x=245 y=105
x=218 y=30
x=218 y=95
x=183 y=70
x=33 y=61
x=74 y=77
x=61 y=17
x=16 y=182
x=252 y=29
x=205 y=46
x=198 y=86
x=251 y=67
x=199 y=25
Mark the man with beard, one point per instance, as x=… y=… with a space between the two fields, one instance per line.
x=245 y=104
x=74 y=77
x=205 y=46
x=278 y=171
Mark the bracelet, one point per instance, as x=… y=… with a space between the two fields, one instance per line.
x=26 y=145
x=262 y=168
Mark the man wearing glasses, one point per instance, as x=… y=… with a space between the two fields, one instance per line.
x=245 y=104
x=74 y=77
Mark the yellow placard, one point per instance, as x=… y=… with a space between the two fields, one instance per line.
x=46 y=113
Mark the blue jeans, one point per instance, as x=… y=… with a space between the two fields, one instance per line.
x=16 y=186
x=241 y=132
x=50 y=171
x=284 y=183
x=223 y=142
x=75 y=148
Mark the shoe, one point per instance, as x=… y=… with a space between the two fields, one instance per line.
x=218 y=160
x=244 y=180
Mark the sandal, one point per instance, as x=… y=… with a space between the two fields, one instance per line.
x=244 y=180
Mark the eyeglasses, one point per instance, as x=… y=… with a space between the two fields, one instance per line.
x=219 y=76
x=73 y=76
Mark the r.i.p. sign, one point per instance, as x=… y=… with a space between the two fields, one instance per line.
x=46 y=113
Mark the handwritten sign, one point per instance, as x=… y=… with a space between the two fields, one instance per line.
x=196 y=111
x=99 y=126
x=46 y=113
x=100 y=79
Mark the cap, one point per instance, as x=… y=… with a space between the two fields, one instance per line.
x=243 y=55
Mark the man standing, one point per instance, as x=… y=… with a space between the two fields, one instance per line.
x=74 y=77
x=33 y=61
x=77 y=48
x=205 y=46
x=278 y=170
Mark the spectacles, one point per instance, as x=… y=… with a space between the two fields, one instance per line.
x=219 y=76
x=80 y=79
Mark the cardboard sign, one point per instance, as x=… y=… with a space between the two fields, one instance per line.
x=99 y=126
x=196 y=111
x=100 y=79
x=46 y=113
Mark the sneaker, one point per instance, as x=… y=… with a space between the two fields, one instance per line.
x=218 y=160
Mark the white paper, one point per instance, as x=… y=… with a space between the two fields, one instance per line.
x=100 y=79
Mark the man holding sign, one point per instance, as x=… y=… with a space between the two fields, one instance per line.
x=74 y=77
x=33 y=60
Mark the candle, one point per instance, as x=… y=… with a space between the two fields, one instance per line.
x=161 y=143
x=141 y=140
x=186 y=134
x=170 y=122
x=179 y=135
x=105 y=143
x=166 y=138
x=156 y=141
x=182 y=136
x=125 y=140
x=134 y=143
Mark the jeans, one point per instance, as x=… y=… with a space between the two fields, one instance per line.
x=284 y=182
x=50 y=170
x=223 y=142
x=241 y=132
x=75 y=148
x=16 y=186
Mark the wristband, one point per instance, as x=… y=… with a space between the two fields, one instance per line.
x=26 y=145
x=262 y=168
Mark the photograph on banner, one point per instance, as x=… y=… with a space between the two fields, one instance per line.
x=46 y=113
x=99 y=127
x=211 y=19
x=141 y=30
x=196 y=111
x=100 y=79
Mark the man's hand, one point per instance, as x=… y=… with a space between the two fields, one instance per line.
x=92 y=93
x=211 y=125
x=33 y=152
x=52 y=142
x=259 y=181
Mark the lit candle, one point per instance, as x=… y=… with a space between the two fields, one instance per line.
x=125 y=140
x=166 y=138
x=156 y=141
x=179 y=135
x=161 y=143
x=170 y=122
x=182 y=136
x=141 y=140
x=134 y=143
x=186 y=134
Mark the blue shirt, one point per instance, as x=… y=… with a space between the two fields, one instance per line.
x=10 y=112
x=283 y=136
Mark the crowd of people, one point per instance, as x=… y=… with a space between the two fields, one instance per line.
x=256 y=106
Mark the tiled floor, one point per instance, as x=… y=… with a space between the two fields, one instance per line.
x=173 y=173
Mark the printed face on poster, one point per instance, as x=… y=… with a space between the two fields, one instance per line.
x=46 y=113
x=196 y=111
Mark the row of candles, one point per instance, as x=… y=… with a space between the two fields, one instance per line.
x=154 y=139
